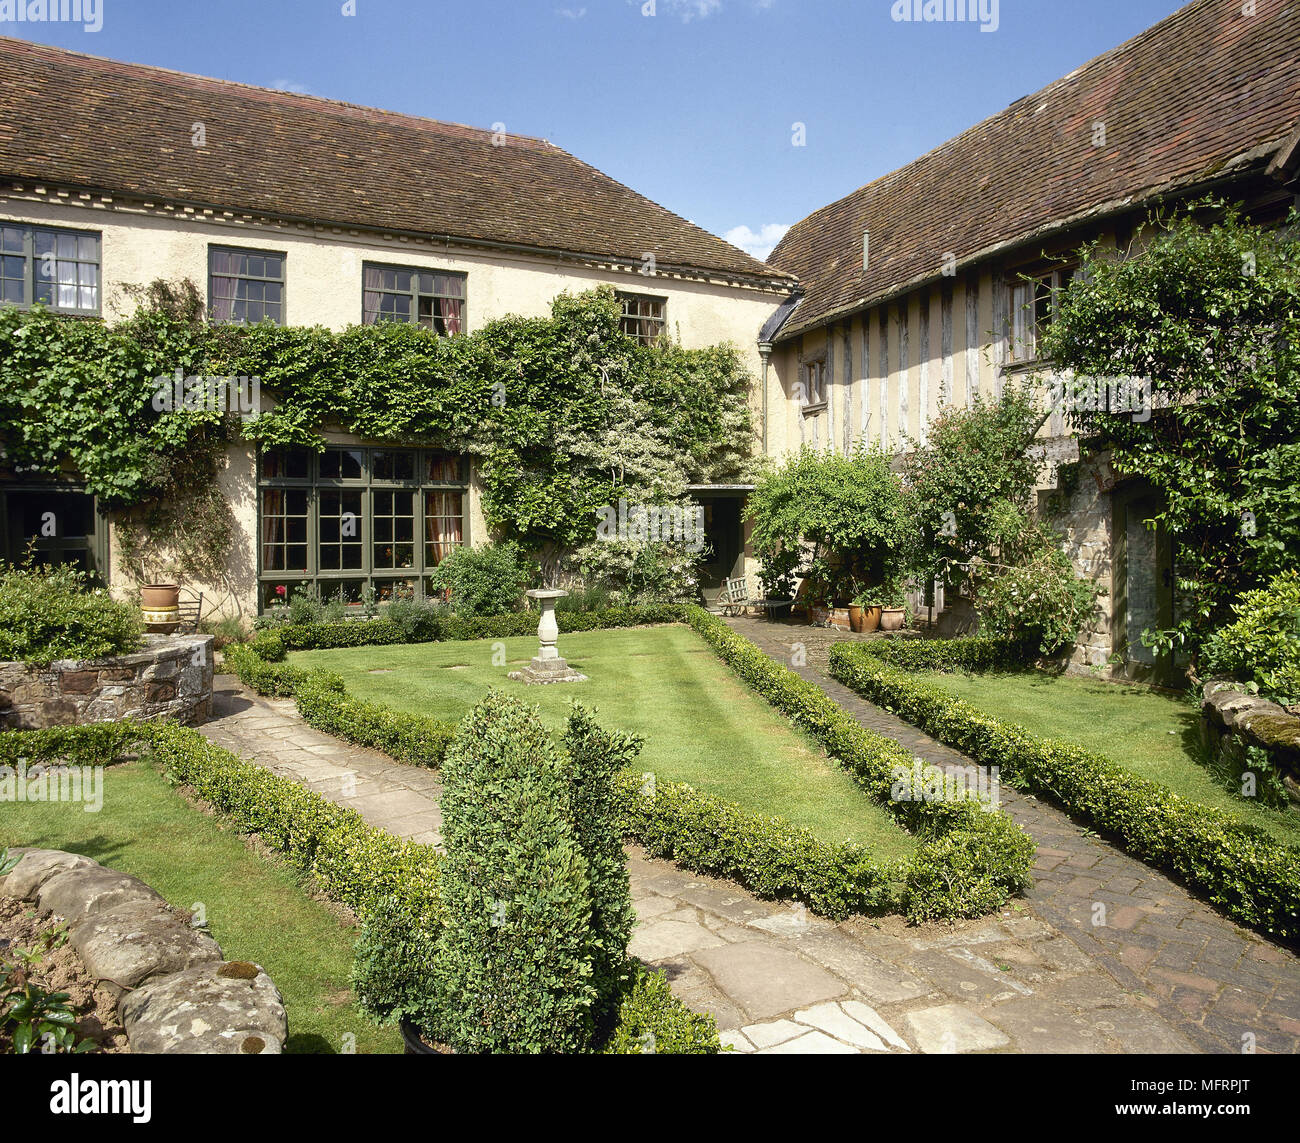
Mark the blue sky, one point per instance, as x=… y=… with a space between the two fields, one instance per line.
x=694 y=106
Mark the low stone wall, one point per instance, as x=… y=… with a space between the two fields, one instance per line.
x=170 y=678
x=1232 y=720
x=175 y=992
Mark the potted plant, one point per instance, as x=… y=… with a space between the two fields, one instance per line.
x=160 y=597
x=864 y=613
x=892 y=598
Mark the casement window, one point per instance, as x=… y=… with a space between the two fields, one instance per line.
x=427 y=298
x=813 y=385
x=58 y=269
x=1034 y=298
x=644 y=318
x=351 y=517
x=245 y=286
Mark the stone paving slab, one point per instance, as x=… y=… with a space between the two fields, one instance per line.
x=779 y=980
x=400 y=799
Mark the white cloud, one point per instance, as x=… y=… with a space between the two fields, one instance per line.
x=695 y=9
x=690 y=10
x=571 y=13
x=290 y=85
x=758 y=245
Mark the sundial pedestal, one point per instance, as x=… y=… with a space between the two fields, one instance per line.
x=548 y=667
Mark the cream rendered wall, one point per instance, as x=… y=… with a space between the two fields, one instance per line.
x=323 y=286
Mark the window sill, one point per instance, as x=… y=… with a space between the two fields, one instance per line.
x=813 y=410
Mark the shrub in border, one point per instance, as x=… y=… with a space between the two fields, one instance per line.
x=512 y=970
x=1253 y=877
x=97 y=744
x=595 y=759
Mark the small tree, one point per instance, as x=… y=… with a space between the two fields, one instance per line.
x=1211 y=315
x=596 y=757
x=512 y=970
x=840 y=520
x=974 y=470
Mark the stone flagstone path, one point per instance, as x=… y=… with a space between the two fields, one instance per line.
x=780 y=980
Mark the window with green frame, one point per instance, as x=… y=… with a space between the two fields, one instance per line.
x=245 y=286
x=57 y=268
x=429 y=298
x=354 y=516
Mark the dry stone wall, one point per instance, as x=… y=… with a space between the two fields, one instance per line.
x=170 y=678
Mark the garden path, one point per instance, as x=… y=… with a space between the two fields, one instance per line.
x=782 y=981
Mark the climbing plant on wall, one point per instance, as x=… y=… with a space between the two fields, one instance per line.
x=566 y=412
x=1209 y=310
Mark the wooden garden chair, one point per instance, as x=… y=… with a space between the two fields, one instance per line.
x=735 y=597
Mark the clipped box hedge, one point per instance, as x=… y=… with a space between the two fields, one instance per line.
x=768 y=855
x=1250 y=875
x=977 y=653
x=971 y=860
x=325 y=704
x=451 y=628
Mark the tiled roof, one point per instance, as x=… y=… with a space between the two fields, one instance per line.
x=99 y=124
x=1178 y=102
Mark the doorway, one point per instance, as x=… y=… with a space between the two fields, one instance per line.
x=724 y=534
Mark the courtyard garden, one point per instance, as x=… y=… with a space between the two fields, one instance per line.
x=699 y=724
x=682 y=736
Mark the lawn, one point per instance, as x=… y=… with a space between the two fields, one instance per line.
x=701 y=725
x=1150 y=732
x=256 y=910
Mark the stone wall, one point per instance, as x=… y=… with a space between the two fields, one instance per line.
x=175 y=993
x=170 y=678
x=1232 y=720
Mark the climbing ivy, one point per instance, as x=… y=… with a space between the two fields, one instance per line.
x=566 y=412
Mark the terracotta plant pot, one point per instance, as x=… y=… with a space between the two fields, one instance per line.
x=892 y=618
x=160 y=596
x=857 y=619
x=870 y=619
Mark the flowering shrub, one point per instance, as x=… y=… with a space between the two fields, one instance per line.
x=1041 y=600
